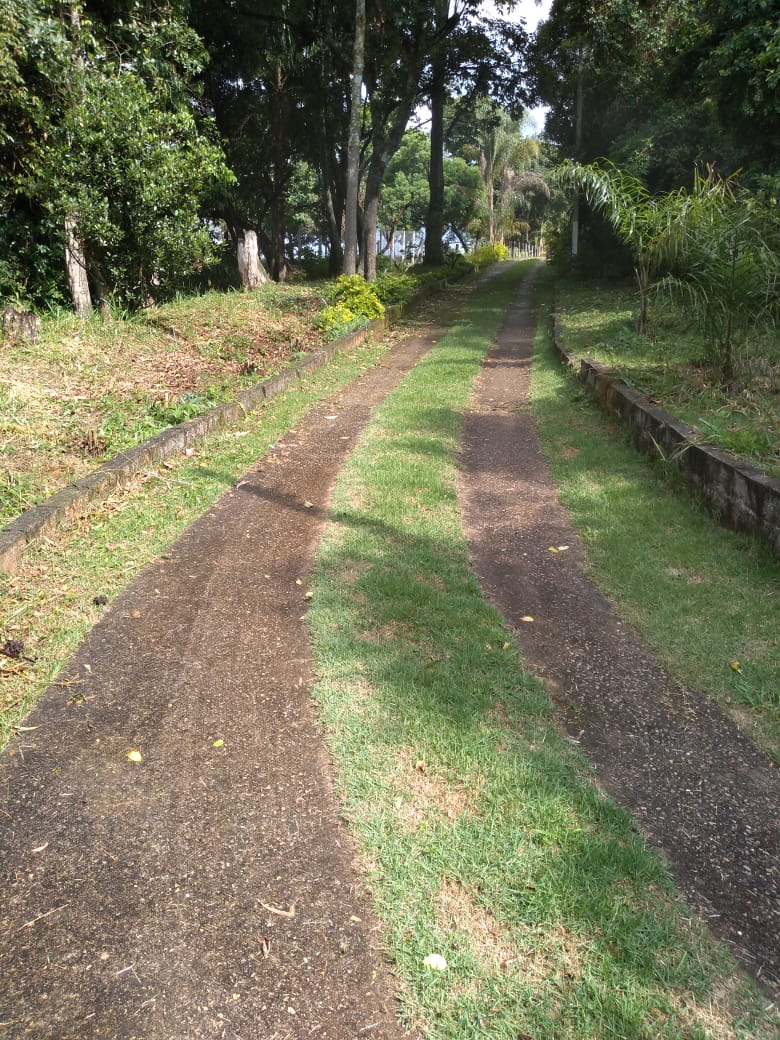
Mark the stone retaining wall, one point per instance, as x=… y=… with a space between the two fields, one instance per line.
x=739 y=495
x=47 y=516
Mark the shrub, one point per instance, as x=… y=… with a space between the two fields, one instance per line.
x=396 y=288
x=337 y=320
x=487 y=255
x=354 y=292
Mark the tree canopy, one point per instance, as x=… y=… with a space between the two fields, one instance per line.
x=142 y=140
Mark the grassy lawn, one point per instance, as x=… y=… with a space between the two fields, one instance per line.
x=704 y=598
x=742 y=417
x=485 y=841
x=88 y=389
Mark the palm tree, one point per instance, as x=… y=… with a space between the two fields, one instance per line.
x=505 y=157
x=632 y=211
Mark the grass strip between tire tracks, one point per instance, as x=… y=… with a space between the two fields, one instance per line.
x=483 y=835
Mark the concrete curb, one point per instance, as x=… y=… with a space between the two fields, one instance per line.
x=44 y=518
x=739 y=495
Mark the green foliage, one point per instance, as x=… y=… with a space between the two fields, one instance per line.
x=134 y=176
x=188 y=406
x=723 y=248
x=97 y=125
x=357 y=295
x=337 y=320
x=487 y=255
x=396 y=288
x=716 y=244
x=353 y=302
x=405 y=192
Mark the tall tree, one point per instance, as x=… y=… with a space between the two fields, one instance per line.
x=113 y=162
x=353 y=145
x=471 y=57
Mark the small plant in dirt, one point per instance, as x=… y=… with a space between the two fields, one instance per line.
x=188 y=406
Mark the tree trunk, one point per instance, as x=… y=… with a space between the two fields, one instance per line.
x=275 y=253
x=434 y=223
x=370 y=217
x=76 y=266
x=353 y=145
x=75 y=261
x=386 y=144
x=249 y=265
x=575 y=220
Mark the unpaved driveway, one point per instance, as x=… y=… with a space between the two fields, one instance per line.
x=698 y=788
x=209 y=889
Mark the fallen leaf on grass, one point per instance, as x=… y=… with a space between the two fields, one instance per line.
x=735 y=667
x=435 y=961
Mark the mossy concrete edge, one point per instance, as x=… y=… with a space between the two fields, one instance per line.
x=739 y=495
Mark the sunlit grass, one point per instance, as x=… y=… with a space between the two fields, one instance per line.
x=484 y=838
x=701 y=596
x=742 y=416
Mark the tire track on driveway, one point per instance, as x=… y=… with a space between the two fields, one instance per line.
x=208 y=890
x=699 y=789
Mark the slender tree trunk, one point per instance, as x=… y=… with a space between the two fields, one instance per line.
x=643 y=281
x=276 y=257
x=332 y=211
x=575 y=220
x=386 y=144
x=434 y=223
x=353 y=145
x=250 y=267
x=75 y=261
x=370 y=217
x=491 y=203
x=76 y=266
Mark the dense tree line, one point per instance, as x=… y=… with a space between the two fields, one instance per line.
x=143 y=141
x=664 y=89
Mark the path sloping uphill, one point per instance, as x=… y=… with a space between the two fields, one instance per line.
x=698 y=788
x=210 y=890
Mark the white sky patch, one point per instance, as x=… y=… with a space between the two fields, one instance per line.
x=528 y=12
